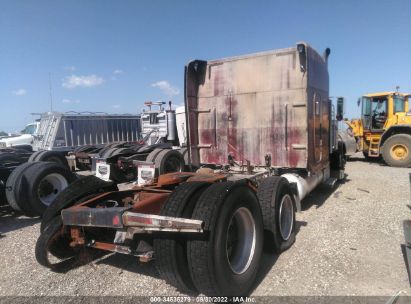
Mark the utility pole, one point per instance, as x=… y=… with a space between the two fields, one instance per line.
x=51 y=95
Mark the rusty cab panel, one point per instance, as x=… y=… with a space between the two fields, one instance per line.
x=271 y=103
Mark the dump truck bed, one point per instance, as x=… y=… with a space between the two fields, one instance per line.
x=65 y=131
x=268 y=108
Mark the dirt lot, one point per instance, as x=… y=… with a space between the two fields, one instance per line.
x=349 y=243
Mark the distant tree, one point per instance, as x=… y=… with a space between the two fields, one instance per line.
x=3 y=133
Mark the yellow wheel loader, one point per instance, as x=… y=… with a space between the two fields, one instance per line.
x=384 y=128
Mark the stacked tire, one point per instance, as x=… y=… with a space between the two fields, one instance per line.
x=49 y=156
x=9 y=160
x=33 y=186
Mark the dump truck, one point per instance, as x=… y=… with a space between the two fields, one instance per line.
x=384 y=128
x=260 y=137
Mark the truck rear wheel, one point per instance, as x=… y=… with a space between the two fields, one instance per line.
x=153 y=154
x=80 y=188
x=171 y=253
x=53 y=246
x=168 y=161
x=396 y=150
x=184 y=152
x=278 y=208
x=225 y=262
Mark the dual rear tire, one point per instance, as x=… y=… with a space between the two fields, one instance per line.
x=278 y=207
x=224 y=261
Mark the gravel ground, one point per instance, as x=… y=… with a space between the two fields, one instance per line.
x=348 y=243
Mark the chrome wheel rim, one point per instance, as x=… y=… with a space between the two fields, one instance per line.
x=241 y=240
x=286 y=217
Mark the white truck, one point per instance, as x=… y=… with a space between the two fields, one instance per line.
x=25 y=138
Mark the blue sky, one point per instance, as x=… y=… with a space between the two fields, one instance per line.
x=111 y=56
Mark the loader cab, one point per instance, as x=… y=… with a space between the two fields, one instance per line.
x=381 y=110
x=374 y=112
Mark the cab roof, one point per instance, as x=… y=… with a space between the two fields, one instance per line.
x=385 y=93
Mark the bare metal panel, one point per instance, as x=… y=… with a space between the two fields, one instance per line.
x=273 y=103
x=63 y=132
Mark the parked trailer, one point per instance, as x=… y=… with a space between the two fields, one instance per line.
x=261 y=131
x=56 y=136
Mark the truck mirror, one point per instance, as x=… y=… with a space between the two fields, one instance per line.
x=340 y=108
x=358 y=101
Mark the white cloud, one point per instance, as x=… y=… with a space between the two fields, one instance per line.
x=70 y=68
x=19 y=92
x=116 y=106
x=70 y=101
x=86 y=81
x=118 y=72
x=166 y=88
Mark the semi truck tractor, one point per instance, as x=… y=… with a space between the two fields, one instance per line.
x=260 y=137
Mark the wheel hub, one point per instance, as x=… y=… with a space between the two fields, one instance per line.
x=172 y=164
x=50 y=186
x=399 y=152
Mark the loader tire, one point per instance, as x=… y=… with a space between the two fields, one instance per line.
x=168 y=161
x=396 y=150
x=13 y=188
x=225 y=261
x=40 y=185
x=278 y=209
x=171 y=252
x=55 y=241
x=82 y=187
